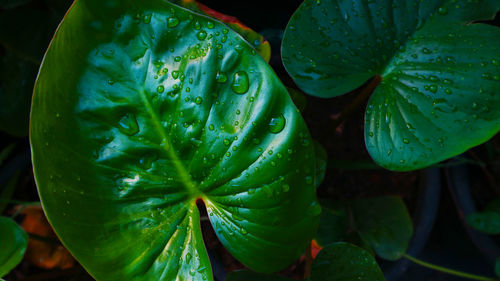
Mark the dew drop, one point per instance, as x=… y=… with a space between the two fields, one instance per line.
x=277 y=124
x=221 y=77
x=172 y=22
x=240 y=83
x=198 y=100
x=128 y=124
x=160 y=89
x=202 y=35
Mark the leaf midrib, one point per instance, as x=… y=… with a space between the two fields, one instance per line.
x=166 y=145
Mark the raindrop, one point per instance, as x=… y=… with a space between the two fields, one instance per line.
x=198 y=100
x=221 y=77
x=277 y=124
x=128 y=124
x=172 y=22
x=240 y=82
x=201 y=35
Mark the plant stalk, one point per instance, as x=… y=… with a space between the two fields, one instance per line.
x=357 y=102
x=448 y=270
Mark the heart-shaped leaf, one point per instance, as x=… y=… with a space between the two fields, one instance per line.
x=14 y=241
x=253 y=38
x=383 y=223
x=439 y=93
x=140 y=110
x=488 y=220
x=345 y=262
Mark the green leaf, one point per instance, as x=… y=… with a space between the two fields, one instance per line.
x=439 y=93
x=487 y=221
x=334 y=222
x=14 y=241
x=253 y=38
x=383 y=223
x=6 y=152
x=345 y=262
x=321 y=160
x=8 y=190
x=17 y=78
x=149 y=112
x=245 y=275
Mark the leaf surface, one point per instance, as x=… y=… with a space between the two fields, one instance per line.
x=384 y=224
x=441 y=75
x=345 y=262
x=13 y=240
x=155 y=108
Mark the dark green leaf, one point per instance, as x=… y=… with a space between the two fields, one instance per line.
x=383 y=223
x=17 y=77
x=155 y=108
x=321 y=160
x=439 y=93
x=334 y=222
x=253 y=276
x=345 y=262
x=298 y=98
x=487 y=221
x=14 y=241
x=8 y=190
x=5 y=152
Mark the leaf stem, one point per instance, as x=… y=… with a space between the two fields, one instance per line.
x=357 y=102
x=448 y=270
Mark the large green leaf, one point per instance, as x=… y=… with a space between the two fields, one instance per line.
x=345 y=262
x=14 y=241
x=439 y=93
x=383 y=223
x=253 y=38
x=488 y=220
x=143 y=108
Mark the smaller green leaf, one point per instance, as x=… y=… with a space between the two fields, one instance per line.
x=383 y=223
x=245 y=275
x=345 y=262
x=487 y=221
x=14 y=241
x=17 y=77
x=321 y=160
x=5 y=152
x=7 y=191
x=298 y=98
x=333 y=224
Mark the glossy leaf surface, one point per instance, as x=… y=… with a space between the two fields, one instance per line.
x=384 y=224
x=345 y=262
x=154 y=108
x=439 y=94
x=13 y=240
x=253 y=38
x=488 y=220
x=334 y=222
